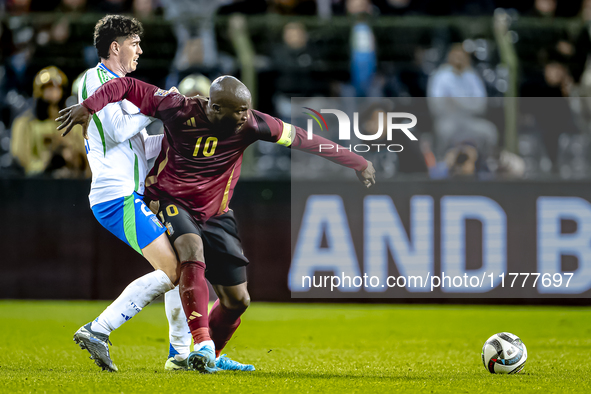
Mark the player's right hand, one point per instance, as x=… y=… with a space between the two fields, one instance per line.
x=71 y=116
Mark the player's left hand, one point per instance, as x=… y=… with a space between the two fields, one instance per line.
x=367 y=176
x=71 y=116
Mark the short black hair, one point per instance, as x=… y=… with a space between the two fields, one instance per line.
x=112 y=27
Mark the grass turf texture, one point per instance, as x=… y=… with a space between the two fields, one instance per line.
x=303 y=348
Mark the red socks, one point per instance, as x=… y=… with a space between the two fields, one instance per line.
x=195 y=297
x=223 y=322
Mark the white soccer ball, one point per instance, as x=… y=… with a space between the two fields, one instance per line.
x=504 y=353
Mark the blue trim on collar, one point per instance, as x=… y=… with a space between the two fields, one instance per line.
x=101 y=65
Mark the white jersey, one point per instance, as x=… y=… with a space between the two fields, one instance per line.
x=118 y=145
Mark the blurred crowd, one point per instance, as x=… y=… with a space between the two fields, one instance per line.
x=456 y=80
x=146 y=8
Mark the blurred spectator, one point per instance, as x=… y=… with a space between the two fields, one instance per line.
x=363 y=47
x=452 y=7
x=43 y=5
x=555 y=8
x=245 y=7
x=6 y=50
x=293 y=59
x=550 y=117
x=113 y=6
x=144 y=9
x=580 y=65
x=585 y=11
x=36 y=143
x=18 y=72
x=544 y=8
x=396 y=7
x=292 y=7
x=508 y=165
x=193 y=26
x=554 y=81
x=458 y=104
x=74 y=6
x=6 y=44
x=462 y=160
x=18 y=7
x=56 y=33
x=412 y=77
x=558 y=79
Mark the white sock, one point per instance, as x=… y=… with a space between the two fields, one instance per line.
x=179 y=334
x=132 y=300
x=201 y=344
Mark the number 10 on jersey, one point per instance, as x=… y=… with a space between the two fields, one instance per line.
x=208 y=147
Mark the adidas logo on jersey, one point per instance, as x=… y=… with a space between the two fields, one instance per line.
x=190 y=122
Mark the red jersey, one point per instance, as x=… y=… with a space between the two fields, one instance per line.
x=199 y=166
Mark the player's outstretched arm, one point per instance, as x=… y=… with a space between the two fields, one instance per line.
x=338 y=154
x=145 y=96
x=269 y=128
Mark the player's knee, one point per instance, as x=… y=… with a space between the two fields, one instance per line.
x=173 y=274
x=189 y=248
x=240 y=302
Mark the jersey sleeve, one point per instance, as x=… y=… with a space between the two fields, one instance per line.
x=114 y=120
x=339 y=154
x=119 y=125
x=268 y=128
x=153 y=144
x=151 y=100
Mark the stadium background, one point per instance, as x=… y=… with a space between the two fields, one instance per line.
x=59 y=267
x=52 y=246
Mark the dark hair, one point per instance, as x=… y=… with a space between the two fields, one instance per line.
x=112 y=27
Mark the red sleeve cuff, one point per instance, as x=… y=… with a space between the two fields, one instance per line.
x=85 y=105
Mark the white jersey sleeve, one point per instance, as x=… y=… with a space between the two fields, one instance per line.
x=121 y=126
x=121 y=120
x=153 y=144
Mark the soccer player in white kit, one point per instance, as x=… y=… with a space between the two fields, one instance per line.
x=118 y=148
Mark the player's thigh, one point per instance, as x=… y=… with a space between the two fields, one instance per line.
x=233 y=297
x=220 y=236
x=184 y=232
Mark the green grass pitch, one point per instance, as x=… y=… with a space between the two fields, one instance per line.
x=304 y=348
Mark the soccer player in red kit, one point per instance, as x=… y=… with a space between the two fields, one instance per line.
x=193 y=181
